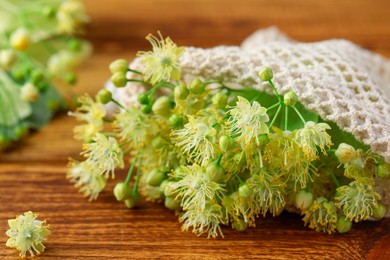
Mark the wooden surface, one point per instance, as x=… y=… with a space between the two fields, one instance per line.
x=32 y=175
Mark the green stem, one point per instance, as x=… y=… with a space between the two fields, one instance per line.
x=276 y=92
x=110 y=134
x=138 y=177
x=137 y=80
x=286 y=118
x=119 y=104
x=336 y=182
x=300 y=115
x=108 y=120
x=275 y=116
x=130 y=173
x=135 y=71
x=273 y=106
x=219 y=159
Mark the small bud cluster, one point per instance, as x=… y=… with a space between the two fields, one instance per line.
x=221 y=156
x=26 y=75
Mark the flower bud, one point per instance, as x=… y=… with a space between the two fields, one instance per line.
x=240 y=225
x=74 y=44
x=220 y=100
x=133 y=201
x=175 y=121
x=303 y=200
x=244 y=191
x=163 y=184
x=143 y=99
x=119 y=65
x=158 y=142
x=290 y=98
x=171 y=203
x=226 y=143
x=181 y=91
x=119 y=79
x=215 y=172
x=162 y=106
x=20 y=131
x=146 y=109
x=197 y=87
x=20 y=39
x=122 y=191
x=155 y=177
x=71 y=78
x=383 y=170
x=266 y=74
x=104 y=96
x=380 y=211
x=343 y=224
x=48 y=11
x=263 y=139
x=36 y=76
x=29 y=92
x=345 y=153
x=7 y=58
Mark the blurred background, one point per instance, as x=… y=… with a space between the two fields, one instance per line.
x=118 y=27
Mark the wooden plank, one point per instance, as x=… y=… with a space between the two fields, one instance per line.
x=32 y=175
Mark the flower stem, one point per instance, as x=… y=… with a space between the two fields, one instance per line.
x=219 y=159
x=275 y=90
x=336 y=182
x=273 y=106
x=138 y=177
x=118 y=104
x=135 y=71
x=130 y=172
x=286 y=118
x=300 y=115
x=275 y=116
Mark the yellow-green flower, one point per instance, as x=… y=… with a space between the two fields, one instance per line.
x=163 y=62
x=312 y=136
x=71 y=17
x=104 y=154
x=89 y=182
x=92 y=113
x=27 y=234
x=321 y=216
x=196 y=139
x=358 y=200
x=247 y=121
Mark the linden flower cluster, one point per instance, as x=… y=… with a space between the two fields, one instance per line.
x=27 y=234
x=219 y=156
x=37 y=44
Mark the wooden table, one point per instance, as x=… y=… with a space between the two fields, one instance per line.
x=32 y=175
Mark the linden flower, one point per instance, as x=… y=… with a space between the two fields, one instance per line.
x=358 y=200
x=27 y=234
x=247 y=122
x=163 y=62
x=90 y=183
x=133 y=126
x=90 y=112
x=197 y=188
x=104 y=154
x=71 y=16
x=311 y=136
x=196 y=139
x=267 y=193
x=321 y=216
x=204 y=221
x=283 y=151
x=238 y=207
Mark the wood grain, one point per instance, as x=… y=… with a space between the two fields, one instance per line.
x=32 y=175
